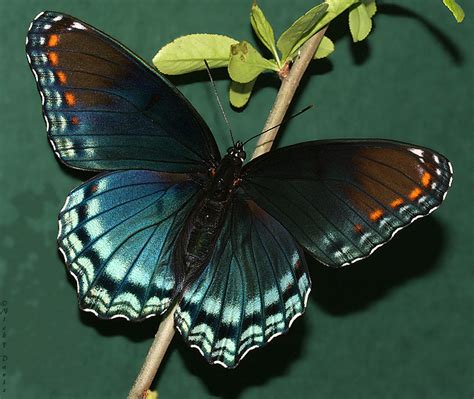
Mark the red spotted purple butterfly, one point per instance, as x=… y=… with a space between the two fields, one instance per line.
x=169 y=220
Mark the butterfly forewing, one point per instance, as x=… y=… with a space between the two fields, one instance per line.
x=106 y=109
x=342 y=199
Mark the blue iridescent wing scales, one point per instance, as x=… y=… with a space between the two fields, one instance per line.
x=106 y=109
x=343 y=199
x=117 y=233
x=255 y=285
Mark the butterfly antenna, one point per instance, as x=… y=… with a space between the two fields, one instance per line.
x=281 y=123
x=219 y=101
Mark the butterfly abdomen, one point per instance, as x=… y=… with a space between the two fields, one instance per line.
x=198 y=237
x=204 y=227
x=197 y=241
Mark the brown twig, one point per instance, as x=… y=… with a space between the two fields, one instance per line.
x=155 y=355
x=287 y=90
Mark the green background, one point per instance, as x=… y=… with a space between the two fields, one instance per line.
x=398 y=325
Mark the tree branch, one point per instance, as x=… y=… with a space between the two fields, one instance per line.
x=155 y=355
x=286 y=93
x=287 y=90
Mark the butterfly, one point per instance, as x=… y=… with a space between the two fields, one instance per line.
x=169 y=220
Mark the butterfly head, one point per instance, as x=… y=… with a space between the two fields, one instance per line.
x=237 y=152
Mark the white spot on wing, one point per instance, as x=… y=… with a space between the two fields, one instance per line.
x=275 y=335
x=78 y=25
x=36 y=77
x=65 y=204
x=416 y=151
x=423 y=198
x=247 y=351
x=35 y=18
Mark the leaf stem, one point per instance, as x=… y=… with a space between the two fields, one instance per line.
x=287 y=90
x=276 y=56
x=286 y=93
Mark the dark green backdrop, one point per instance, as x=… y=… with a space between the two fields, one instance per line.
x=399 y=325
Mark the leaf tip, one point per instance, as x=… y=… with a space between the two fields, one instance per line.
x=455 y=9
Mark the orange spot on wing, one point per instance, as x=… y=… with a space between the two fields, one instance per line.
x=53 y=58
x=53 y=40
x=61 y=77
x=70 y=98
x=94 y=188
x=376 y=215
x=414 y=194
x=358 y=228
x=396 y=202
x=75 y=120
x=425 y=179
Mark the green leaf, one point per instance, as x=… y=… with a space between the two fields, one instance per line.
x=263 y=29
x=300 y=31
x=246 y=63
x=370 y=6
x=186 y=53
x=455 y=9
x=335 y=8
x=239 y=93
x=360 y=23
x=325 y=48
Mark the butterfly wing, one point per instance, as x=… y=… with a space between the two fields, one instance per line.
x=255 y=285
x=106 y=109
x=343 y=199
x=117 y=232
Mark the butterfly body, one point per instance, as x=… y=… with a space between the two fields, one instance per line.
x=199 y=234
x=169 y=220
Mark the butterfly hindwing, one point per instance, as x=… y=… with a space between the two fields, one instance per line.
x=117 y=233
x=106 y=109
x=254 y=286
x=342 y=199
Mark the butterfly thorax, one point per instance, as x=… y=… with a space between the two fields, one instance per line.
x=225 y=178
x=198 y=238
